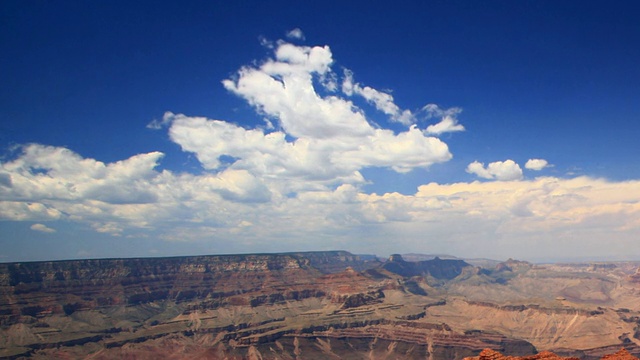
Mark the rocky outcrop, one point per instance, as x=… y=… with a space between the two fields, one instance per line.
x=613 y=352
x=513 y=265
x=349 y=301
x=437 y=268
x=541 y=309
x=623 y=354
x=330 y=262
x=488 y=354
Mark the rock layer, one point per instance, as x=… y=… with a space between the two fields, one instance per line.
x=314 y=305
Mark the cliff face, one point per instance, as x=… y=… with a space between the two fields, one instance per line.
x=635 y=278
x=306 y=305
x=38 y=289
x=12 y=274
x=437 y=268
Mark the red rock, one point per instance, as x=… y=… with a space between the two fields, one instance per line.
x=623 y=354
x=488 y=354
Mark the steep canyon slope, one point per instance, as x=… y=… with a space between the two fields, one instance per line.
x=315 y=305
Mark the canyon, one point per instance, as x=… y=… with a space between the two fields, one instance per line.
x=313 y=305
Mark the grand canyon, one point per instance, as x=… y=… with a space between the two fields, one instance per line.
x=319 y=305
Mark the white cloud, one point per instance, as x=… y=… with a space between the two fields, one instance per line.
x=52 y=183
x=478 y=169
x=544 y=209
x=506 y=218
x=382 y=101
x=283 y=89
x=42 y=228
x=236 y=185
x=332 y=138
x=401 y=152
x=304 y=163
x=448 y=119
x=266 y=43
x=434 y=111
x=58 y=173
x=111 y=228
x=447 y=124
x=500 y=219
x=298 y=183
x=536 y=164
x=156 y=124
x=27 y=210
x=329 y=81
x=296 y=34
x=499 y=170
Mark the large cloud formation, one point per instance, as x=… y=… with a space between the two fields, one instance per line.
x=332 y=138
x=299 y=184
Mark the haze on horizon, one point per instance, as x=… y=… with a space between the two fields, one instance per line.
x=501 y=130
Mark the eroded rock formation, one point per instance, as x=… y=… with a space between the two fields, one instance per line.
x=313 y=305
x=488 y=354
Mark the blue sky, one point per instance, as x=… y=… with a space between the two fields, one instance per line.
x=495 y=129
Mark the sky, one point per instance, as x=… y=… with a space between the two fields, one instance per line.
x=497 y=129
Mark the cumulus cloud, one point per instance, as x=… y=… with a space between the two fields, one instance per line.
x=333 y=139
x=42 y=228
x=58 y=173
x=237 y=185
x=282 y=88
x=296 y=34
x=317 y=143
x=512 y=218
x=299 y=183
x=499 y=170
x=536 y=164
x=509 y=218
x=51 y=183
x=27 y=210
x=304 y=162
x=544 y=204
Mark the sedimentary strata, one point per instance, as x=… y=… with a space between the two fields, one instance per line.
x=314 y=305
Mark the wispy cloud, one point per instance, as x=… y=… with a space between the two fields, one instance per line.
x=156 y=124
x=296 y=34
x=448 y=122
x=381 y=100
